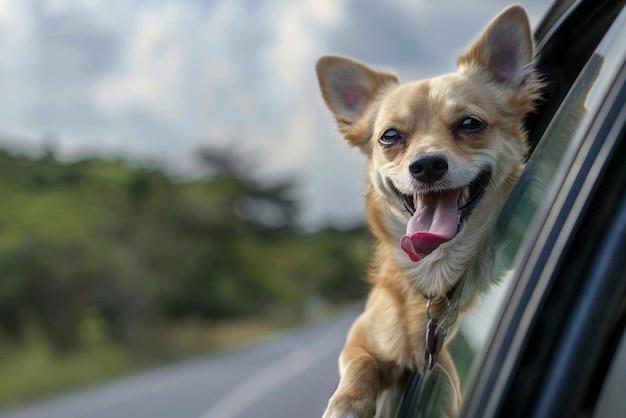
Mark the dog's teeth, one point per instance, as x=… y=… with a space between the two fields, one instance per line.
x=463 y=196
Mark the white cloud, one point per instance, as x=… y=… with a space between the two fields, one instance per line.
x=155 y=72
x=299 y=28
x=14 y=21
x=159 y=78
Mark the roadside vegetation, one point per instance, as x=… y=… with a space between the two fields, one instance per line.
x=107 y=266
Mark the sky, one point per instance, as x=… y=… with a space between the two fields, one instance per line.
x=154 y=80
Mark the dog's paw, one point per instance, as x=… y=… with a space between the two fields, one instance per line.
x=348 y=407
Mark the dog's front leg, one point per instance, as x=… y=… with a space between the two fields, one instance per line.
x=359 y=383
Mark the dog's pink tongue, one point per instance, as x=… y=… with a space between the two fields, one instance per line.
x=435 y=221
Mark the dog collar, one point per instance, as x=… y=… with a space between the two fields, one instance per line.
x=437 y=328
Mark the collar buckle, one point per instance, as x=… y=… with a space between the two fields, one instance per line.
x=437 y=328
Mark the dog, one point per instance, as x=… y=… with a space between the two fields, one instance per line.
x=442 y=156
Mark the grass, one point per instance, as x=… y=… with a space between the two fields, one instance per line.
x=32 y=370
x=193 y=338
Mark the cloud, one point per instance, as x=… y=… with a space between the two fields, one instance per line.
x=48 y=64
x=158 y=79
x=299 y=28
x=154 y=68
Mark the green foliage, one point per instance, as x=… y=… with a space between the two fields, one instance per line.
x=99 y=253
x=33 y=369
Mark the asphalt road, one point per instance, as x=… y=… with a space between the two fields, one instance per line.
x=289 y=375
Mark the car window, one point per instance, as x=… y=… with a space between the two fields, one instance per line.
x=516 y=217
x=585 y=95
x=518 y=212
x=507 y=236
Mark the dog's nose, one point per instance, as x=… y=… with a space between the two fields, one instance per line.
x=429 y=168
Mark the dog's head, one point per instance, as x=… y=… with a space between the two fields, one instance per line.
x=443 y=153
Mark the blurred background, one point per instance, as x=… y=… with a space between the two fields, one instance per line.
x=171 y=180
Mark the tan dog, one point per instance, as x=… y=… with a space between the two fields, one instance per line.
x=442 y=157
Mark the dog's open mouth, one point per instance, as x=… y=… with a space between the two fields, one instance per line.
x=438 y=216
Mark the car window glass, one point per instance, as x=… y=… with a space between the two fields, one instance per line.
x=517 y=214
x=507 y=235
x=515 y=220
x=584 y=97
x=587 y=93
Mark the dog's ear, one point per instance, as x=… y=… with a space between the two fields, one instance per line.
x=349 y=89
x=505 y=49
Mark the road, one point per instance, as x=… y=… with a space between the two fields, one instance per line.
x=289 y=375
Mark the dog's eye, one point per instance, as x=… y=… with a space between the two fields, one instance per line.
x=471 y=125
x=390 y=137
